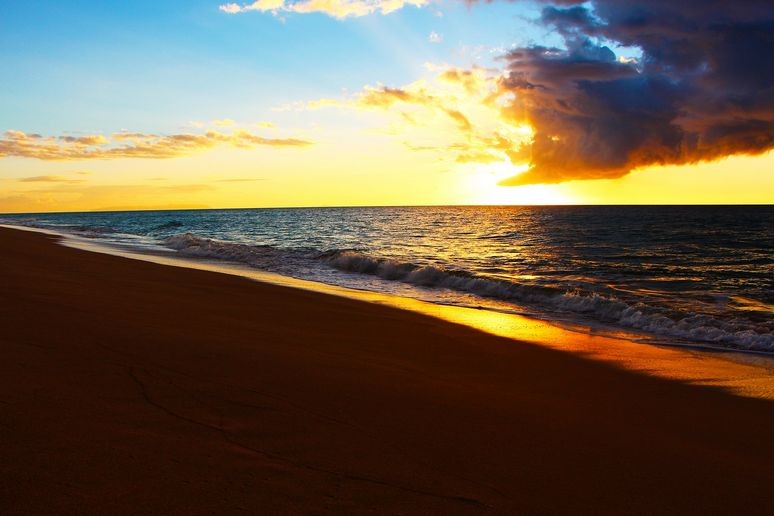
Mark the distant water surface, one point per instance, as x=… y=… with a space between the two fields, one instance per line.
x=672 y=275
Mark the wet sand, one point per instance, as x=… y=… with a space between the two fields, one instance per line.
x=134 y=387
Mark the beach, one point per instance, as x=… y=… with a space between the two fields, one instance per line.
x=134 y=387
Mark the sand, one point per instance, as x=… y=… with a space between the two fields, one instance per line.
x=133 y=387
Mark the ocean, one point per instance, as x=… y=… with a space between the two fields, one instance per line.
x=681 y=275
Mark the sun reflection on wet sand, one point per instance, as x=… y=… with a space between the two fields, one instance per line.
x=743 y=374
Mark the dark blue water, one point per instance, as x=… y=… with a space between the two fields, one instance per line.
x=690 y=274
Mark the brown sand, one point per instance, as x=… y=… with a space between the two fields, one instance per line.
x=128 y=386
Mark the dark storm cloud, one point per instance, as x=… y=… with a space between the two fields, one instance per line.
x=702 y=89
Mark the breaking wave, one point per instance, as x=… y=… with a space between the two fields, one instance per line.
x=259 y=256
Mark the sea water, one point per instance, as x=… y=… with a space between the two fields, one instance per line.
x=669 y=274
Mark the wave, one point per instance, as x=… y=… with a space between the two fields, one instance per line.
x=82 y=230
x=259 y=256
x=737 y=333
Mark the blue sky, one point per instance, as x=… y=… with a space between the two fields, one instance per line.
x=151 y=66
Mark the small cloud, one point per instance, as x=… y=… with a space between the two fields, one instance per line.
x=434 y=37
x=12 y=134
x=259 y=5
x=130 y=136
x=335 y=8
x=225 y=122
x=230 y=8
x=49 y=179
x=461 y=120
x=85 y=140
x=265 y=125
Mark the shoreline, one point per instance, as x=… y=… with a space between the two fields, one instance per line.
x=744 y=372
x=577 y=309
x=129 y=386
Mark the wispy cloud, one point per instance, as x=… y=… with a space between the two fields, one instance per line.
x=434 y=37
x=458 y=114
x=50 y=179
x=131 y=145
x=335 y=8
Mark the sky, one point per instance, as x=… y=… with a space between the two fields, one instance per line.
x=214 y=104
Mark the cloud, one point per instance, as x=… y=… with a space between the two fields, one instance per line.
x=694 y=81
x=461 y=120
x=434 y=37
x=225 y=122
x=336 y=8
x=131 y=136
x=702 y=89
x=385 y=97
x=85 y=140
x=457 y=114
x=131 y=145
x=231 y=8
x=49 y=179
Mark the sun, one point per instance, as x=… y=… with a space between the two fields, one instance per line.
x=478 y=185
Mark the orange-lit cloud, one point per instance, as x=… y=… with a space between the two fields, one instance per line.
x=335 y=8
x=130 y=145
